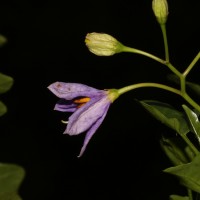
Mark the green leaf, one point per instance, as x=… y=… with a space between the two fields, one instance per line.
x=10 y=197
x=6 y=83
x=188 y=174
x=194 y=121
x=173 y=78
x=11 y=176
x=177 y=197
x=3 y=40
x=3 y=108
x=175 y=150
x=194 y=87
x=189 y=152
x=167 y=115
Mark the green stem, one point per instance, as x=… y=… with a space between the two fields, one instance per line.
x=182 y=82
x=185 y=73
x=161 y=86
x=133 y=50
x=179 y=74
x=164 y=33
x=190 y=101
x=173 y=69
x=140 y=85
x=169 y=65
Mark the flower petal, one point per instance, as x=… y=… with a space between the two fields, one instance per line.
x=65 y=106
x=70 y=91
x=86 y=116
x=91 y=132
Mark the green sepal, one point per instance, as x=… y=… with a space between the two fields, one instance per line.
x=3 y=108
x=168 y=115
x=11 y=177
x=6 y=83
x=188 y=174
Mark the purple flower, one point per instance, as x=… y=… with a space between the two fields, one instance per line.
x=89 y=107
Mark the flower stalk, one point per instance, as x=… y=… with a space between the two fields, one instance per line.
x=161 y=86
x=164 y=33
x=195 y=60
x=144 y=53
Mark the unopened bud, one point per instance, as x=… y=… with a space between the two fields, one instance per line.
x=102 y=44
x=160 y=9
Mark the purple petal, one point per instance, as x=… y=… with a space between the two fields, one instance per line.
x=70 y=91
x=65 y=106
x=91 y=132
x=86 y=116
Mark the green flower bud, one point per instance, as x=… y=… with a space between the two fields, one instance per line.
x=160 y=9
x=102 y=44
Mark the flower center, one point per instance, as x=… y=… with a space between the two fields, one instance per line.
x=81 y=101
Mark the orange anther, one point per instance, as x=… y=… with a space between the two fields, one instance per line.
x=82 y=100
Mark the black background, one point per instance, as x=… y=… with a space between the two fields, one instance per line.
x=46 y=44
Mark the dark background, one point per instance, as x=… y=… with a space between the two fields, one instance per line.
x=46 y=44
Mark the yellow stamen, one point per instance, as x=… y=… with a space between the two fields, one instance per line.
x=82 y=100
